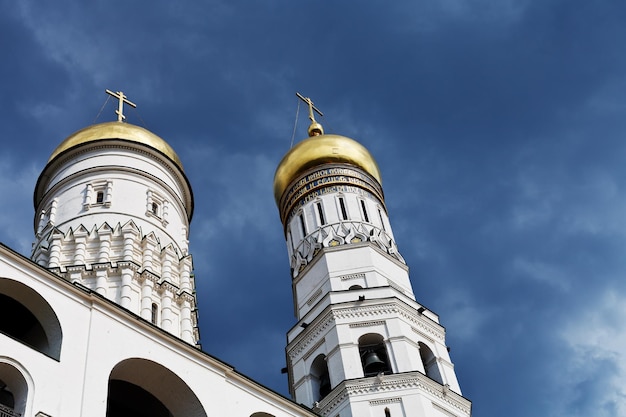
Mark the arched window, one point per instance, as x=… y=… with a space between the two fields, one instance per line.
x=342 y=209
x=154 y=313
x=140 y=387
x=261 y=415
x=13 y=391
x=25 y=316
x=364 y=211
x=431 y=367
x=320 y=213
x=320 y=378
x=387 y=412
x=355 y=287
x=373 y=355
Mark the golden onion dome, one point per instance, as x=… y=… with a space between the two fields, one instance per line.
x=117 y=130
x=318 y=150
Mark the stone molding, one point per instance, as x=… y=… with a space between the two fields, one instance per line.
x=314 y=297
x=367 y=323
x=336 y=314
x=386 y=401
x=352 y=276
x=393 y=383
x=338 y=234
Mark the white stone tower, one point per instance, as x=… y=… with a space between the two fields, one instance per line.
x=362 y=346
x=113 y=208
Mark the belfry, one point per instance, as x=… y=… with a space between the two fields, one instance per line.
x=362 y=346
x=102 y=320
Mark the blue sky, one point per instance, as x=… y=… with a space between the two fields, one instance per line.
x=499 y=128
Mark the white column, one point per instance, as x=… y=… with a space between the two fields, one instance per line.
x=125 y=292
x=53 y=210
x=101 y=282
x=87 y=200
x=185 y=275
x=105 y=247
x=185 y=322
x=79 y=250
x=166 y=310
x=129 y=241
x=55 y=252
x=147 y=256
x=146 y=299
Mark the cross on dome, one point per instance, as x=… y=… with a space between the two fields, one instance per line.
x=315 y=129
x=122 y=99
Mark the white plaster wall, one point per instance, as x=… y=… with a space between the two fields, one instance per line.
x=98 y=335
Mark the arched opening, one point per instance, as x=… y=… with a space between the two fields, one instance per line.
x=431 y=368
x=261 y=415
x=355 y=287
x=373 y=355
x=126 y=399
x=320 y=378
x=154 y=314
x=25 y=316
x=13 y=391
x=143 y=388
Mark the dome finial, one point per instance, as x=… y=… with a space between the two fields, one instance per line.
x=122 y=99
x=315 y=129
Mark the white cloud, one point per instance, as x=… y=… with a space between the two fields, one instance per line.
x=596 y=336
x=543 y=272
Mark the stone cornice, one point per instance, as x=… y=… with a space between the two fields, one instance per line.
x=439 y=394
x=367 y=315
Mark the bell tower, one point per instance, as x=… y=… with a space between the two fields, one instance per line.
x=113 y=208
x=362 y=345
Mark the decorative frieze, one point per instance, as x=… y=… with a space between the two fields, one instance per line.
x=314 y=297
x=338 y=234
x=352 y=276
x=386 y=401
x=367 y=324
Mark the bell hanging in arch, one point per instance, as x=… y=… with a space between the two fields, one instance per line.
x=372 y=364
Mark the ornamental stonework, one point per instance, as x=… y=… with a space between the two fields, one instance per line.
x=331 y=179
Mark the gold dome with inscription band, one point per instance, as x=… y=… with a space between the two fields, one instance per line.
x=319 y=150
x=117 y=130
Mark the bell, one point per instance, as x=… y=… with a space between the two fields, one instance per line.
x=324 y=385
x=372 y=363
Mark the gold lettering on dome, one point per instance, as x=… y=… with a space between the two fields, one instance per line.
x=327 y=181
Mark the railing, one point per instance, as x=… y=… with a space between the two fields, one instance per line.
x=8 y=412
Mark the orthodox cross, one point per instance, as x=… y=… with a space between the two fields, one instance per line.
x=122 y=99
x=311 y=107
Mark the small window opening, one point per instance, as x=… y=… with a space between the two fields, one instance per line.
x=365 y=216
x=387 y=412
x=155 y=313
x=302 y=225
x=100 y=197
x=342 y=206
x=382 y=222
x=155 y=209
x=321 y=213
